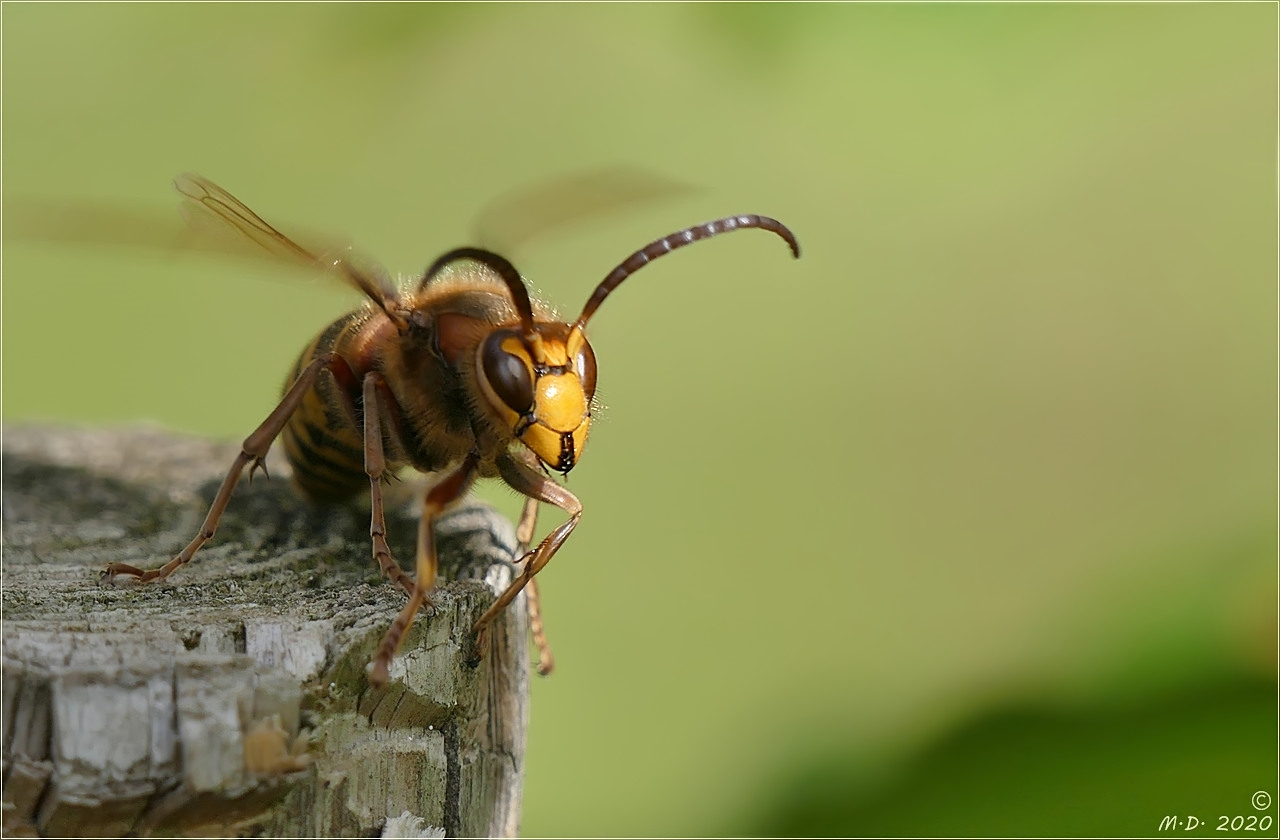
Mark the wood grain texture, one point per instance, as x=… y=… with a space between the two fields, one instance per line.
x=177 y=707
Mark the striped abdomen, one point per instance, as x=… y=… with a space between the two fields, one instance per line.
x=326 y=453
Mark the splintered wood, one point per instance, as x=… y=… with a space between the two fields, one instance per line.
x=233 y=699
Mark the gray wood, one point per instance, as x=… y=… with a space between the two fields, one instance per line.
x=177 y=707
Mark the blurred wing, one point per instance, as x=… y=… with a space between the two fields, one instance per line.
x=217 y=223
x=518 y=216
x=215 y=214
x=94 y=224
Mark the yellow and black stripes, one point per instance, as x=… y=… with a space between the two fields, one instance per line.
x=324 y=449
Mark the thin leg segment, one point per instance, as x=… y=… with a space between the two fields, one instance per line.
x=375 y=394
x=546 y=661
x=533 y=484
x=524 y=536
x=252 y=454
x=448 y=490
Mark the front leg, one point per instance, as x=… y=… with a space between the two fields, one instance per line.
x=449 y=489
x=531 y=483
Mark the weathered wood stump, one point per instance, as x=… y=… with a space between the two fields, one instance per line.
x=176 y=708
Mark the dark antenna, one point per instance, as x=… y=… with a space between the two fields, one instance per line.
x=679 y=239
x=500 y=264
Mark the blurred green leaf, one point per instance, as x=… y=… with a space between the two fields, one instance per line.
x=1031 y=771
x=754 y=32
x=386 y=29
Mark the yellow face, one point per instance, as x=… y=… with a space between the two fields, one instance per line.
x=542 y=387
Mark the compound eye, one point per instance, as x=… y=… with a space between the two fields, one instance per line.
x=585 y=364
x=507 y=368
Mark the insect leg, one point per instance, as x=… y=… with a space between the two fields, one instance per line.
x=524 y=479
x=448 y=490
x=524 y=536
x=392 y=422
x=375 y=466
x=524 y=529
x=252 y=452
x=546 y=661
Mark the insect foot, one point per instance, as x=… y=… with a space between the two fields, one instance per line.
x=109 y=573
x=478 y=648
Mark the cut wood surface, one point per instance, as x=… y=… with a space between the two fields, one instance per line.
x=232 y=698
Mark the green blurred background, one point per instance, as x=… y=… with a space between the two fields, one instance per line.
x=965 y=523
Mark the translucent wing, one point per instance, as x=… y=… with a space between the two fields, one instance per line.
x=215 y=223
x=100 y=224
x=218 y=216
x=516 y=217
